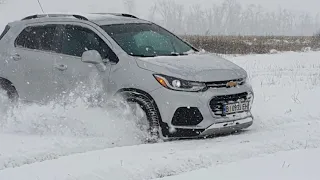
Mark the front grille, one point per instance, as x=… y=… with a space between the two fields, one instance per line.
x=217 y=102
x=223 y=84
x=187 y=116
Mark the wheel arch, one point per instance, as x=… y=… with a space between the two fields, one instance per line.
x=143 y=93
x=164 y=126
x=10 y=87
x=135 y=90
x=6 y=82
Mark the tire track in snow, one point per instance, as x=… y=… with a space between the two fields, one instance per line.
x=171 y=158
x=35 y=149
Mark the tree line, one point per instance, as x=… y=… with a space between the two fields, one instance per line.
x=229 y=18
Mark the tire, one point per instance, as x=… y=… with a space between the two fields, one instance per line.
x=151 y=111
x=9 y=90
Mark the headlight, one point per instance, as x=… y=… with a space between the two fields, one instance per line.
x=243 y=81
x=179 y=84
x=246 y=80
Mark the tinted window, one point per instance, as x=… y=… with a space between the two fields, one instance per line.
x=39 y=37
x=154 y=40
x=143 y=39
x=77 y=40
x=6 y=29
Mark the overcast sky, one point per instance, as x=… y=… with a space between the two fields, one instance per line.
x=312 y=6
x=29 y=6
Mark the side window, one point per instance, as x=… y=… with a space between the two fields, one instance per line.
x=6 y=29
x=39 y=37
x=78 y=39
x=158 y=42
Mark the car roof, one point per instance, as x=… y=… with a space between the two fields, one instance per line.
x=97 y=18
x=103 y=19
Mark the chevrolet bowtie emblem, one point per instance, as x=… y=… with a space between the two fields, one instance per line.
x=232 y=84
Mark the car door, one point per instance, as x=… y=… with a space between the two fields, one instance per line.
x=33 y=58
x=74 y=77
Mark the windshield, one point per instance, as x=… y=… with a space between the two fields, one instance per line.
x=147 y=40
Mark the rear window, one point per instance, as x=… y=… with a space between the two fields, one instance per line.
x=6 y=29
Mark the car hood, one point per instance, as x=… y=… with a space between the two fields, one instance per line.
x=195 y=67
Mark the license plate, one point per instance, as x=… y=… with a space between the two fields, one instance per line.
x=236 y=107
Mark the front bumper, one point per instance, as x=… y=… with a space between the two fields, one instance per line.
x=227 y=127
x=169 y=101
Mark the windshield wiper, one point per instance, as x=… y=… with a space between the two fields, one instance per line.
x=178 y=54
x=172 y=54
x=142 y=55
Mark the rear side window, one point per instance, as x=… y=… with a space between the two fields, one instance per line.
x=42 y=38
x=6 y=29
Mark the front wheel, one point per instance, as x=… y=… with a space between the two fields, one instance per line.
x=145 y=109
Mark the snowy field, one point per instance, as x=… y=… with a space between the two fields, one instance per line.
x=76 y=143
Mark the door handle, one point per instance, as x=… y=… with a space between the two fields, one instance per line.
x=16 y=57
x=61 y=67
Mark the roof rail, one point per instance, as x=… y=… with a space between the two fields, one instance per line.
x=118 y=14
x=55 y=15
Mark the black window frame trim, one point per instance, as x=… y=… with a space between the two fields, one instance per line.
x=5 y=31
x=64 y=23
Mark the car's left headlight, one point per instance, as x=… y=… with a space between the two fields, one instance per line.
x=246 y=80
x=179 y=84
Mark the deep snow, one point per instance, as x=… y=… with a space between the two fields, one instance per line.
x=50 y=131
x=287 y=89
x=299 y=164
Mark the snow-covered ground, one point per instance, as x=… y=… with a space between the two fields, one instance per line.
x=51 y=131
x=299 y=164
x=53 y=143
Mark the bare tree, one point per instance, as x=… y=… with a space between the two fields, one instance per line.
x=130 y=6
x=172 y=14
x=1 y=3
x=218 y=18
x=230 y=18
x=232 y=14
x=152 y=12
x=195 y=21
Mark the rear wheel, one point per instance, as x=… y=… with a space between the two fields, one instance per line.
x=8 y=97
x=8 y=91
x=145 y=109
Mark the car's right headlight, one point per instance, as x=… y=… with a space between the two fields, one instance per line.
x=179 y=84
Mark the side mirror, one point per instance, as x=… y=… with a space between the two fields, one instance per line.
x=94 y=57
x=91 y=56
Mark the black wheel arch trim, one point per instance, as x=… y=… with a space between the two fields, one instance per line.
x=6 y=83
x=140 y=92
x=164 y=126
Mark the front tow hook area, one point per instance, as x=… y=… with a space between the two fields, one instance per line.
x=228 y=127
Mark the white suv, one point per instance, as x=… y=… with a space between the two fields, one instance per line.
x=197 y=94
